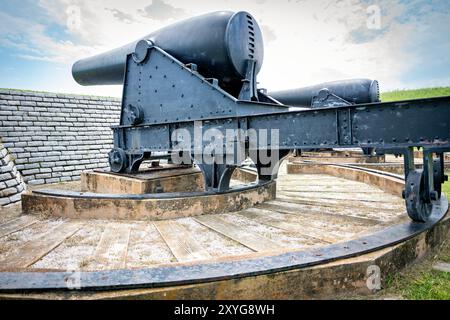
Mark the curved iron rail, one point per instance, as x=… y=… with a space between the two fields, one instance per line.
x=164 y=195
x=215 y=271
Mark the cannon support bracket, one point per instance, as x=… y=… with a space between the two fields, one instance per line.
x=327 y=99
x=158 y=90
x=248 y=91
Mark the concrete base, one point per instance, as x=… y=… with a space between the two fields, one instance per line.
x=111 y=196
x=245 y=175
x=166 y=179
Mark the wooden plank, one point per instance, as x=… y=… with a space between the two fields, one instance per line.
x=325 y=189
x=320 y=183
x=183 y=246
x=34 y=250
x=306 y=182
x=311 y=177
x=264 y=216
x=16 y=225
x=239 y=234
x=337 y=196
x=333 y=203
x=364 y=216
x=442 y=266
x=353 y=214
x=112 y=249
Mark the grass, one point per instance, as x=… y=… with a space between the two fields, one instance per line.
x=420 y=281
x=446 y=187
x=432 y=285
x=415 y=94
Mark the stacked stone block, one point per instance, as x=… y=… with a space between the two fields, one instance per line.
x=11 y=183
x=54 y=137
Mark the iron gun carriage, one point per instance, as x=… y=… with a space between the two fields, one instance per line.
x=197 y=78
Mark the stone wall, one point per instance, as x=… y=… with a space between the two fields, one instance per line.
x=11 y=183
x=54 y=137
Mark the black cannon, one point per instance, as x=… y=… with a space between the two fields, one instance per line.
x=331 y=94
x=223 y=45
x=190 y=90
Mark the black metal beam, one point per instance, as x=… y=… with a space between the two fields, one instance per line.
x=418 y=123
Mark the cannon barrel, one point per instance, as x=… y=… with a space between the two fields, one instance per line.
x=219 y=43
x=354 y=91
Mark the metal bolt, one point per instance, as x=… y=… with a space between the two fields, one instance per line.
x=434 y=195
x=115 y=158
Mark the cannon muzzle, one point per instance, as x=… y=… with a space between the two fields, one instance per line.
x=354 y=91
x=219 y=43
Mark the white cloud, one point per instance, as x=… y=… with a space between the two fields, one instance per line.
x=161 y=11
x=31 y=39
x=315 y=43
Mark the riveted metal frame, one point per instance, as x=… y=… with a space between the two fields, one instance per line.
x=171 y=96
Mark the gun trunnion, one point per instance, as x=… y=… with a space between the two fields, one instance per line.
x=201 y=73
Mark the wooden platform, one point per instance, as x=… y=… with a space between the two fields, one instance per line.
x=312 y=212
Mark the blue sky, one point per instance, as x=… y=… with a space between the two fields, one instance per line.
x=403 y=44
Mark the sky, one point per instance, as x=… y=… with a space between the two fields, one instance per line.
x=403 y=44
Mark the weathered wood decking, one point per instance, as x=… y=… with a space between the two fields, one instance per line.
x=311 y=210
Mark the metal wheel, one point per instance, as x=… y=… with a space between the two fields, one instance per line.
x=117 y=160
x=417 y=205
